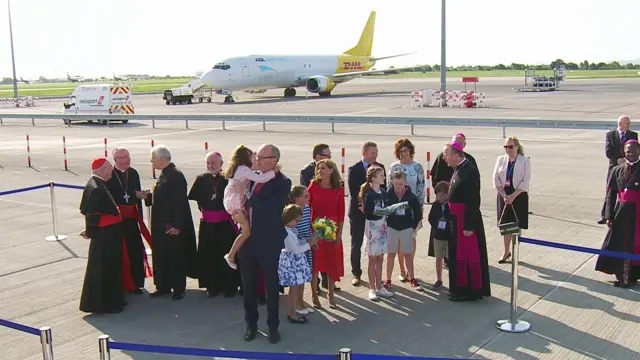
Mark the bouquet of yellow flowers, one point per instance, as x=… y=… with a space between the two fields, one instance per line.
x=325 y=229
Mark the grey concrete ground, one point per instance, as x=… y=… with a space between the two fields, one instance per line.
x=576 y=99
x=576 y=313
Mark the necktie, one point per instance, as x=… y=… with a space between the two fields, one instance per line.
x=257 y=188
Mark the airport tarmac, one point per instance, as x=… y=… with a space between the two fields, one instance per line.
x=575 y=312
x=589 y=99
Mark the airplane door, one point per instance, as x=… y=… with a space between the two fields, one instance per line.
x=245 y=68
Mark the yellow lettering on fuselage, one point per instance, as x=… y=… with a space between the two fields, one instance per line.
x=348 y=63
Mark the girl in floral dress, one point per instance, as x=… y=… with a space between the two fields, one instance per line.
x=293 y=267
x=375 y=231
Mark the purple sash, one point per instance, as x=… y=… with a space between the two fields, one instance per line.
x=218 y=216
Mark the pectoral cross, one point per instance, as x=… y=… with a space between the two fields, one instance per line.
x=214 y=196
x=126 y=197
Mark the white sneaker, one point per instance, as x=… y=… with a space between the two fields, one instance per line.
x=372 y=295
x=309 y=310
x=303 y=312
x=402 y=278
x=230 y=262
x=385 y=293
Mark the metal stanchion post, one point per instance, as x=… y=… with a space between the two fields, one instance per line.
x=344 y=354
x=54 y=216
x=103 y=344
x=47 y=343
x=513 y=325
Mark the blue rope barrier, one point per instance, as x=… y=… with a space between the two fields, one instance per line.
x=20 y=327
x=355 y=356
x=609 y=253
x=67 y=186
x=30 y=188
x=175 y=350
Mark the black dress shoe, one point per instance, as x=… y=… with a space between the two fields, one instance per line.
x=137 y=291
x=177 y=296
x=274 y=336
x=602 y=221
x=211 y=293
x=159 y=293
x=250 y=334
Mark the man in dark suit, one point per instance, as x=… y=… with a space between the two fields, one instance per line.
x=262 y=249
x=357 y=176
x=614 y=148
x=320 y=152
x=440 y=171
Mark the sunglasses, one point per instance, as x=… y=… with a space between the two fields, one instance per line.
x=508 y=147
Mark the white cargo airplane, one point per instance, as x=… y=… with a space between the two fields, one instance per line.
x=318 y=73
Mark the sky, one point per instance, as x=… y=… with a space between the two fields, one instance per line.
x=98 y=38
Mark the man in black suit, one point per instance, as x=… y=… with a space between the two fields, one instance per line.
x=614 y=148
x=320 y=152
x=440 y=171
x=357 y=176
x=262 y=248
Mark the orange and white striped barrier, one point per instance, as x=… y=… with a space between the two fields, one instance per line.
x=206 y=147
x=64 y=150
x=28 y=152
x=106 y=154
x=343 y=161
x=153 y=170
x=428 y=177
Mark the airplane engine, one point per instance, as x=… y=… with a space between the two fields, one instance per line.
x=320 y=84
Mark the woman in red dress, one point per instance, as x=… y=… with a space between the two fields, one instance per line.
x=326 y=197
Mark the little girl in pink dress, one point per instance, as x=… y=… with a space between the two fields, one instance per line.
x=237 y=192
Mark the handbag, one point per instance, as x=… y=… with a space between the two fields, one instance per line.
x=509 y=228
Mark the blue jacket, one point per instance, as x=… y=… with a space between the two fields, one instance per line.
x=267 y=230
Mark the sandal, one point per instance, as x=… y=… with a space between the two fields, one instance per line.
x=298 y=320
x=316 y=302
x=332 y=301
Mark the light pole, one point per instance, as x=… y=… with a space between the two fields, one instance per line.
x=443 y=54
x=13 y=58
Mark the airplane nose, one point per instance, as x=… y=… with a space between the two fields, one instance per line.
x=210 y=78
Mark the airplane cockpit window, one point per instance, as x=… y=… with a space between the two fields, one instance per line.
x=221 y=66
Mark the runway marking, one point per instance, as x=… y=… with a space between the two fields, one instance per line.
x=362 y=112
x=35 y=204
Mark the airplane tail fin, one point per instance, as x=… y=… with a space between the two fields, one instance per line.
x=365 y=44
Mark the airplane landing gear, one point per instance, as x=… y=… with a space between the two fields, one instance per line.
x=289 y=92
x=229 y=99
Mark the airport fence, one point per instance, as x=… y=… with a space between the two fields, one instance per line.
x=512 y=324
x=412 y=122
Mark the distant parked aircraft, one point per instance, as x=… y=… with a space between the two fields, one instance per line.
x=76 y=78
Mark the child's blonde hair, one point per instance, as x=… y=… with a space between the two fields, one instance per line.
x=290 y=213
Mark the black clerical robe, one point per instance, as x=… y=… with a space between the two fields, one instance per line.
x=174 y=256
x=468 y=261
x=622 y=208
x=216 y=234
x=102 y=288
x=440 y=171
x=135 y=266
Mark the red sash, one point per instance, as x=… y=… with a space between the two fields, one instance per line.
x=107 y=220
x=132 y=212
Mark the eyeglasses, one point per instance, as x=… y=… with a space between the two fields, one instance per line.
x=265 y=157
x=509 y=147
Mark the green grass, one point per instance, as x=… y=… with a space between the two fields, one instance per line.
x=64 y=89
x=573 y=74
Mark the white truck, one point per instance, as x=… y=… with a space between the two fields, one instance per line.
x=187 y=94
x=99 y=99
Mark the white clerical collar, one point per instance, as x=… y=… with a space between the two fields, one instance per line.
x=461 y=162
x=99 y=177
x=632 y=163
x=117 y=168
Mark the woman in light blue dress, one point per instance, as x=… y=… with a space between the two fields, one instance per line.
x=405 y=151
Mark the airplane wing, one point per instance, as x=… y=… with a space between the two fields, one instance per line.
x=381 y=71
